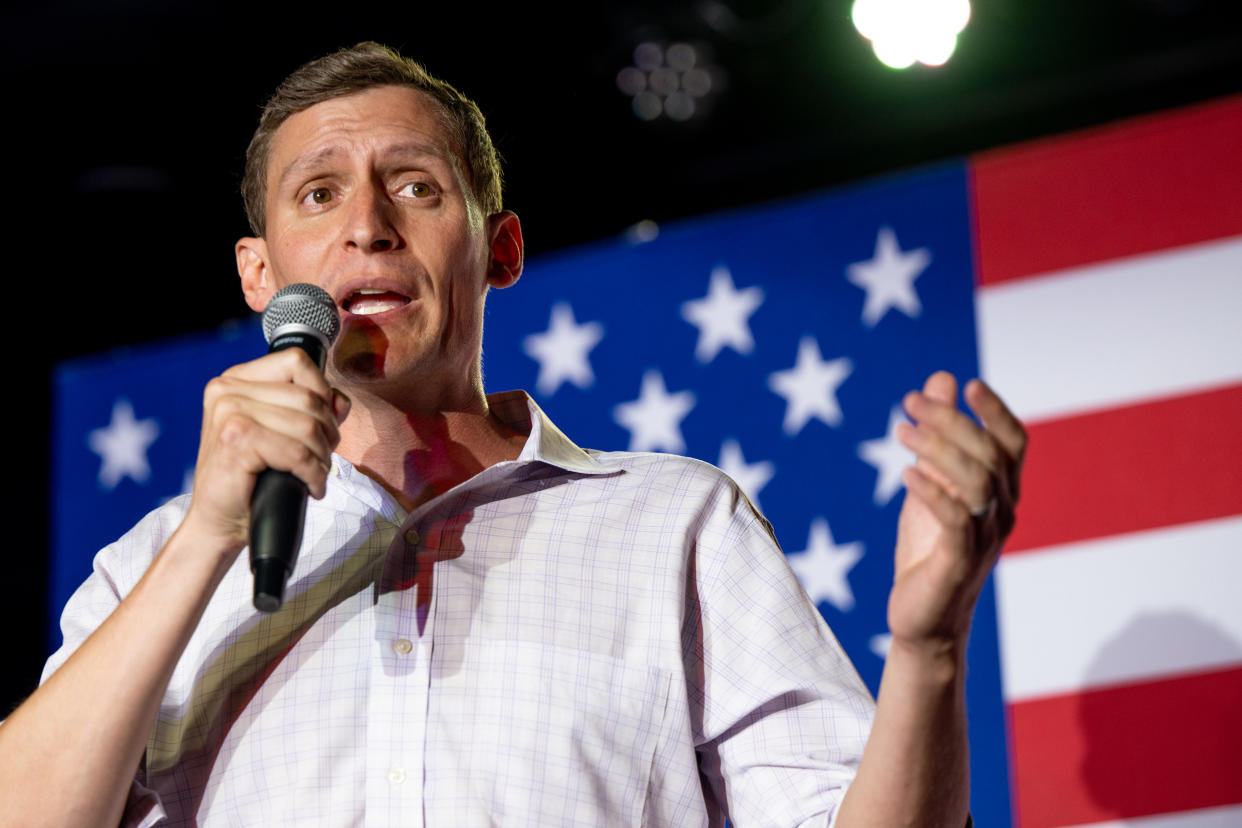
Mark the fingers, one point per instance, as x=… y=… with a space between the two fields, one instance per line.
x=959 y=472
x=972 y=464
x=942 y=387
x=997 y=418
x=1001 y=429
x=944 y=425
x=274 y=412
x=291 y=365
x=244 y=446
x=292 y=410
x=279 y=411
x=271 y=429
x=949 y=510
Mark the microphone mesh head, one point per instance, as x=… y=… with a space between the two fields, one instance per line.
x=304 y=305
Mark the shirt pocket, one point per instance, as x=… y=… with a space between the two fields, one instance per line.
x=546 y=735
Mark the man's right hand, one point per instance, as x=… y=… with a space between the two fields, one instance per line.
x=274 y=412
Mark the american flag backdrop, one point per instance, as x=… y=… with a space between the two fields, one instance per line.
x=1110 y=312
x=1095 y=280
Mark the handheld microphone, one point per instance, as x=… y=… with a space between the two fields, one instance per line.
x=298 y=316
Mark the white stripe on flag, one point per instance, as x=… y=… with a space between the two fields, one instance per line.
x=1119 y=609
x=1229 y=816
x=1122 y=331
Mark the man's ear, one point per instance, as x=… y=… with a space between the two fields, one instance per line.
x=256 y=281
x=505 y=248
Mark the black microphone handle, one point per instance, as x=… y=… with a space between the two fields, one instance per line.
x=277 y=514
x=278 y=507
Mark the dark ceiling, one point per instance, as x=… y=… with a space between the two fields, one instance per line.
x=130 y=120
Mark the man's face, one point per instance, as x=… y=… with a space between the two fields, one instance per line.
x=367 y=198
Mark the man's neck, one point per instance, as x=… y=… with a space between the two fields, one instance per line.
x=419 y=454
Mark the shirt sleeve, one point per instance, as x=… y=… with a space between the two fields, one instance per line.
x=784 y=715
x=116 y=569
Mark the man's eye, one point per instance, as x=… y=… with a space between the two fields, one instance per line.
x=419 y=189
x=320 y=195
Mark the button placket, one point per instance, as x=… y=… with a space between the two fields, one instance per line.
x=397 y=727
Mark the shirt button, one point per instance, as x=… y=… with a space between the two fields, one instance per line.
x=396 y=775
x=402 y=646
x=412 y=537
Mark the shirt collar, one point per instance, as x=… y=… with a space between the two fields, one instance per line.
x=545 y=442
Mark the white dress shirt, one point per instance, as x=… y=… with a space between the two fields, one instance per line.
x=569 y=638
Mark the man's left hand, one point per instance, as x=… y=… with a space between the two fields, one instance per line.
x=959 y=508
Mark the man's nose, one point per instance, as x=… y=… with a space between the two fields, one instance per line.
x=371 y=227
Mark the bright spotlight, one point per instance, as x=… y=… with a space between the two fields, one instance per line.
x=905 y=31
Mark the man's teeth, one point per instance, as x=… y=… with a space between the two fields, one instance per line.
x=368 y=306
x=366 y=302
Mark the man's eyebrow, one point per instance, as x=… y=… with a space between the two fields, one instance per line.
x=306 y=162
x=411 y=149
x=419 y=151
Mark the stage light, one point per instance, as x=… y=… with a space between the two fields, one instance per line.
x=905 y=31
x=673 y=81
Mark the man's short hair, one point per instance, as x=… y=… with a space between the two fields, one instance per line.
x=356 y=69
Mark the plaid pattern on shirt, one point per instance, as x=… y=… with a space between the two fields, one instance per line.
x=570 y=638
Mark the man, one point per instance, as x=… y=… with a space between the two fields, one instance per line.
x=488 y=624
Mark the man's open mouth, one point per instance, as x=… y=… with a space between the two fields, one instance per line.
x=367 y=301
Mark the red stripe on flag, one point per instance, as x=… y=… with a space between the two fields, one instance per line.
x=1126 y=469
x=1120 y=190
x=1128 y=751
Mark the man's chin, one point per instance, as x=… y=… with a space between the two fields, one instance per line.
x=361 y=352
x=361 y=366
